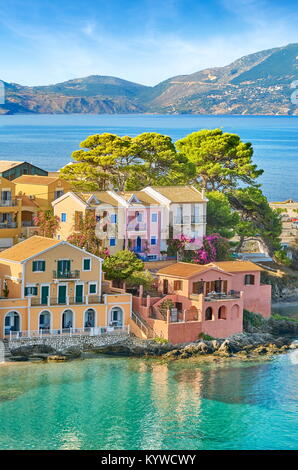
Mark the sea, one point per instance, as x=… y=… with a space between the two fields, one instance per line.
x=135 y=403
x=49 y=140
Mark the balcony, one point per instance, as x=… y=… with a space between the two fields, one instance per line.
x=187 y=220
x=136 y=227
x=66 y=275
x=8 y=202
x=213 y=296
x=4 y=225
x=77 y=300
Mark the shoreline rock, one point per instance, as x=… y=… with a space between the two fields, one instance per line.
x=242 y=345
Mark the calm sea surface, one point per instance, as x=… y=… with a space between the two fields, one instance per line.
x=48 y=140
x=127 y=403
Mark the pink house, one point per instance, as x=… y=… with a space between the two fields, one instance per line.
x=209 y=299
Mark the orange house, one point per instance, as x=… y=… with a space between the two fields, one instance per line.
x=194 y=299
x=52 y=287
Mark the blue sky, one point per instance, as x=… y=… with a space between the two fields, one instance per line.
x=146 y=41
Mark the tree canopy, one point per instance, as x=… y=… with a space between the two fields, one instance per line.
x=256 y=217
x=108 y=161
x=221 y=217
x=122 y=265
x=221 y=159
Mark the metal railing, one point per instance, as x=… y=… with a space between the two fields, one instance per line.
x=66 y=274
x=136 y=227
x=189 y=220
x=8 y=202
x=28 y=223
x=76 y=300
x=8 y=225
x=87 y=331
x=222 y=296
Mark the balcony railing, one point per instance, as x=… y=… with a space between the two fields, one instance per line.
x=76 y=300
x=136 y=227
x=8 y=202
x=66 y=274
x=222 y=296
x=186 y=220
x=28 y=223
x=8 y=225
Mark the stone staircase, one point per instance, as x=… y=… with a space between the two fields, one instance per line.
x=143 y=325
x=7 y=353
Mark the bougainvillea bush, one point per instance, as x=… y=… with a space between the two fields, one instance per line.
x=214 y=248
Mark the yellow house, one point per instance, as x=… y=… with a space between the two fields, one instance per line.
x=10 y=214
x=52 y=287
x=42 y=189
x=72 y=207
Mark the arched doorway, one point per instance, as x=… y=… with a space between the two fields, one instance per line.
x=45 y=320
x=116 y=316
x=12 y=322
x=235 y=312
x=222 y=312
x=208 y=314
x=67 y=319
x=89 y=320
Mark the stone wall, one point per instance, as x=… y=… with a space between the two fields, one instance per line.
x=62 y=343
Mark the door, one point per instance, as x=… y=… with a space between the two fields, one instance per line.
x=63 y=266
x=79 y=293
x=62 y=294
x=165 y=286
x=139 y=244
x=44 y=295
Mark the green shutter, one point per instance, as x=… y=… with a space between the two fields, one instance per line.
x=87 y=264
x=92 y=288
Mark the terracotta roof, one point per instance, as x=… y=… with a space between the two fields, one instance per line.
x=30 y=247
x=102 y=196
x=35 y=179
x=180 y=193
x=237 y=266
x=184 y=270
x=7 y=164
x=144 y=198
x=187 y=270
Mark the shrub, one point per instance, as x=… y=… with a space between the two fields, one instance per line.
x=252 y=319
x=205 y=337
x=160 y=340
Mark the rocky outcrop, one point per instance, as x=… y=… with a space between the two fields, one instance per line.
x=242 y=345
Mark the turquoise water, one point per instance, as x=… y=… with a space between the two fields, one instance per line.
x=48 y=140
x=128 y=403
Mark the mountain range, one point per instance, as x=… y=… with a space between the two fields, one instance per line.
x=258 y=83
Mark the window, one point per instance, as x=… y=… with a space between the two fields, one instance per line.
x=113 y=218
x=139 y=216
x=30 y=290
x=87 y=264
x=249 y=279
x=153 y=240
x=154 y=217
x=112 y=241
x=58 y=193
x=92 y=288
x=63 y=217
x=177 y=285
x=38 y=266
x=198 y=287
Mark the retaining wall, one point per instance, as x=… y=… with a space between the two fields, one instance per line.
x=60 y=343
